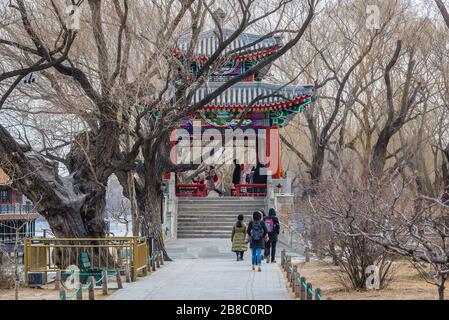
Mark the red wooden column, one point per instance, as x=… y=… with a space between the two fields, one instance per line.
x=273 y=138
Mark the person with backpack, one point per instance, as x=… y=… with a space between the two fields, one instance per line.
x=263 y=215
x=239 y=245
x=273 y=227
x=257 y=233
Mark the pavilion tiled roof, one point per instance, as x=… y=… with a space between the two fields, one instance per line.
x=208 y=42
x=241 y=94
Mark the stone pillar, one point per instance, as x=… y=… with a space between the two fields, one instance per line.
x=172 y=206
x=270 y=200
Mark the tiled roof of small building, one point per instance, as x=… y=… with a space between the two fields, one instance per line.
x=208 y=42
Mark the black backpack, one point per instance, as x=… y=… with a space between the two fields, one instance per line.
x=256 y=231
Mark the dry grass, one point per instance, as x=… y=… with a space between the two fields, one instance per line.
x=407 y=284
x=47 y=292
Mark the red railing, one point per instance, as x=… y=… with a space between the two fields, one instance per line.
x=251 y=190
x=190 y=190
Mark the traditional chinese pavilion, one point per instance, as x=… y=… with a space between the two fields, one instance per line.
x=252 y=103
x=16 y=211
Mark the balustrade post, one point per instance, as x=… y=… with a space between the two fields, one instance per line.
x=133 y=266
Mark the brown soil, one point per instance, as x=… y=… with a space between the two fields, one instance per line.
x=47 y=292
x=407 y=284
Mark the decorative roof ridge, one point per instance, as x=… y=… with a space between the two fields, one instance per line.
x=226 y=32
x=250 y=54
x=208 y=42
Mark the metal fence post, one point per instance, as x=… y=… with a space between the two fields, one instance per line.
x=91 y=281
x=302 y=290
x=58 y=279
x=309 y=293
x=105 y=282
x=79 y=292
x=133 y=263
x=297 y=287
x=127 y=273
x=294 y=274
x=26 y=258
x=62 y=294
x=157 y=260
x=119 y=278
x=317 y=294
x=307 y=254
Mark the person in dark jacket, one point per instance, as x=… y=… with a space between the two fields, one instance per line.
x=237 y=174
x=273 y=226
x=257 y=231
x=260 y=177
x=239 y=244
x=256 y=175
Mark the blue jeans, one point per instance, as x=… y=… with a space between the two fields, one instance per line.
x=257 y=255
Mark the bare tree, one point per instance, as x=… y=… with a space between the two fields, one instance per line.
x=337 y=210
x=384 y=214
x=104 y=80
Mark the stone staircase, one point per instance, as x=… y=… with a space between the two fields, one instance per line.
x=213 y=217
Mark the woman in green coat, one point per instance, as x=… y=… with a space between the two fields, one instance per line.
x=239 y=244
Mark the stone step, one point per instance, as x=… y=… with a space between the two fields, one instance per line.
x=213 y=217
x=196 y=236
x=224 y=231
x=204 y=199
x=214 y=214
x=221 y=205
x=208 y=221
x=212 y=225
x=215 y=203
x=205 y=232
x=218 y=210
x=223 y=208
x=201 y=217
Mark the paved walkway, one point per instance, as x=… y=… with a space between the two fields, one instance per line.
x=206 y=269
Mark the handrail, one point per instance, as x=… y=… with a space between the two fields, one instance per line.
x=49 y=254
x=239 y=192
x=90 y=239
x=289 y=236
x=199 y=190
x=300 y=287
